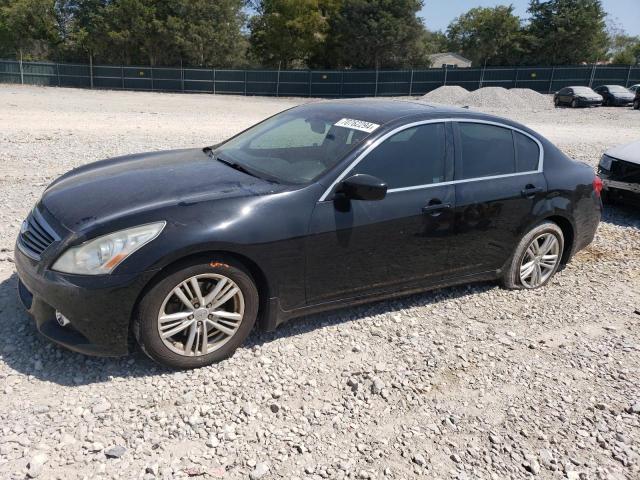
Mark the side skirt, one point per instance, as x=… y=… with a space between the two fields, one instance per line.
x=273 y=315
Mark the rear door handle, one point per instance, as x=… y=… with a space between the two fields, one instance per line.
x=530 y=191
x=436 y=208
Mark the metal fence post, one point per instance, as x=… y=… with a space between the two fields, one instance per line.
x=341 y=83
x=245 y=83
x=214 y=81
x=278 y=82
x=21 y=70
x=58 y=72
x=411 y=84
x=310 y=80
x=122 y=75
x=376 y=93
x=553 y=73
x=517 y=73
x=593 y=74
x=181 y=76
x=626 y=84
x=91 y=71
x=445 y=74
x=152 y=81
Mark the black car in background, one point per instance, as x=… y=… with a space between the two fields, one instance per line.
x=577 y=97
x=615 y=95
x=322 y=206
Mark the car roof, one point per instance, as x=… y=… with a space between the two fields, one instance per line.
x=385 y=110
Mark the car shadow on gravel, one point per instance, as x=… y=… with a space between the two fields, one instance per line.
x=622 y=214
x=25 y=351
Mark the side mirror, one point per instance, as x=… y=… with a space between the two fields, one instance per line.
x=363 y=187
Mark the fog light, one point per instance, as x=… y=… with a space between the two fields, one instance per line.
x=62 y=320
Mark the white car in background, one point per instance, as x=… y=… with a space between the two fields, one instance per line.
x=635 y=88
x=619 y=170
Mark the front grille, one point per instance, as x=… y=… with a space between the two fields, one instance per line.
x=36 y=235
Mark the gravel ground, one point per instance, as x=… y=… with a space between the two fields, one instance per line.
x=461 y=383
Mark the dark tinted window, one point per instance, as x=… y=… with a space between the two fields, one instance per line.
x=528 y=153
x=415 y=156
x=487 y=150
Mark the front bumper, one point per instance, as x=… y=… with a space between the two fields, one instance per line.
x=617 y=185
x=99 y=307
x=583 y=102
x=622 y=102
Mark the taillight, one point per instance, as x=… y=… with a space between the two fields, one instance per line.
x=597 y=185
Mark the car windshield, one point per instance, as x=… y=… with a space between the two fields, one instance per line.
x=583 y=90
x=296 y=146
x=617 y=89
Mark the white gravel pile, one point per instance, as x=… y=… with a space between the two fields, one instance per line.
x=535 y=101
x=472 y=382
x=494 y=98
x=447 y=95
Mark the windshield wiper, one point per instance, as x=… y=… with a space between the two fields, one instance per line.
x=242 y=168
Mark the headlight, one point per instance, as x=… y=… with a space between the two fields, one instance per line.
x=101 y=255
x=605 y=162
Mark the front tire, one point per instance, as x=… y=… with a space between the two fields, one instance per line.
x=536 y=259
x=197 y=314
x=636 y=105
x=574 y=104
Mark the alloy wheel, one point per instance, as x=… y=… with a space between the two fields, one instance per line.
x=201 y=314
x=540 y=260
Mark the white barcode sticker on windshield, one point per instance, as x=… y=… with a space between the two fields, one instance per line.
x=357 y=125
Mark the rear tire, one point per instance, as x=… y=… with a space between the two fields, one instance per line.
x=636 y=105
x=201 y=336
x=556 y=102
x=574 y=104
x=534 y=252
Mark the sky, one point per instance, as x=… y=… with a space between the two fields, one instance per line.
x=439 y=13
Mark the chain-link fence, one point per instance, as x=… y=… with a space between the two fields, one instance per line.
x=311 y=83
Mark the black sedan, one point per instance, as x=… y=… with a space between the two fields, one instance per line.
x=615 y=95
x=577 y=97
x=322 y=206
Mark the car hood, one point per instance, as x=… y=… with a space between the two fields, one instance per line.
x=121 y=186
x=629 y=152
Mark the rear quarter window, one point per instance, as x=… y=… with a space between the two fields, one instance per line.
x=527 y=153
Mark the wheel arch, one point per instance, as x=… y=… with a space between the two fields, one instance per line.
x=216 y=256
x=568 y=232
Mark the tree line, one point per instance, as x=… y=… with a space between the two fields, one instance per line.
x=306 y=33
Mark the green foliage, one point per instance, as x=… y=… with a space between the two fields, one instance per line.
x=623 y=49
x=288 y=33
x=28 y=27
x=488 y=35
x=567 y=31
x=304 y=33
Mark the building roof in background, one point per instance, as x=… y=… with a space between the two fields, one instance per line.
x=435 y=56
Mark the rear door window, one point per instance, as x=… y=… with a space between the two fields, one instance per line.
x=486 y=151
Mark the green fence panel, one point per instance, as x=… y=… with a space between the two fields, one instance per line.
x=314 y=83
